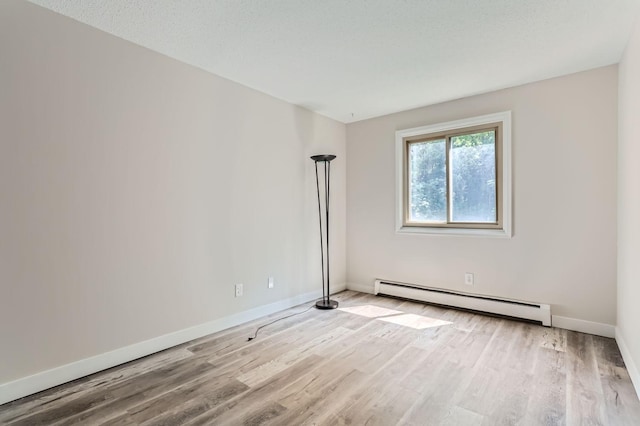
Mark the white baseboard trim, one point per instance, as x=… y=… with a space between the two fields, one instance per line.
x=337 y=288
x=38 y=382
x=362 y=288
x=583 y=326
x=632 y=368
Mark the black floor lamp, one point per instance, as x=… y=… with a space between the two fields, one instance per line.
x=325 y=159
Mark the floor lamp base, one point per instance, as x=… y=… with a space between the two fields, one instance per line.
x=326 y=304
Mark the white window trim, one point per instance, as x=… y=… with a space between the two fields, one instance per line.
x=505 y=180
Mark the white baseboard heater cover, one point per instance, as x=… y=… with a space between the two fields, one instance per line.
x=511 y=308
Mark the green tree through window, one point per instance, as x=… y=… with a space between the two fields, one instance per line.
x=473 y=175
x=458 y=187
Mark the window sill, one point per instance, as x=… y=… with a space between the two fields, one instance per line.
x=460 y=232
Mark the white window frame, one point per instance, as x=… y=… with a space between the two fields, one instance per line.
x=504 y=176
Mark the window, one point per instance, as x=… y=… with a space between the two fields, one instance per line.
x=455 y=177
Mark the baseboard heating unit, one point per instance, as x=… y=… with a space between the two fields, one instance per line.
x=475 y=302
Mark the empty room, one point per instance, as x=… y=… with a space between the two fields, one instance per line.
x=301 y=212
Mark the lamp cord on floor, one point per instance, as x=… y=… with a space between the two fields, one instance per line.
x=276 y=320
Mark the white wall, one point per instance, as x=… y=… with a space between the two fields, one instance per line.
x=136 y=190
x=628 y=333
x=564 y=165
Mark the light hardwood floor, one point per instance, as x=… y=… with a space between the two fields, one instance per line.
x=376 y=361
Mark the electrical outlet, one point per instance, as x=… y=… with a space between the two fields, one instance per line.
x=468 y=278
x=239 y=290
x=270 y=283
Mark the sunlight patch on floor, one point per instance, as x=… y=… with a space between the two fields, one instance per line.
x=419 y=322
x=370 y=311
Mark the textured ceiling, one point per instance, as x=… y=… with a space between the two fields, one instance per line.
x=356 y=59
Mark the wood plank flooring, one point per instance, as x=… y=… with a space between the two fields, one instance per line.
x=375 y=361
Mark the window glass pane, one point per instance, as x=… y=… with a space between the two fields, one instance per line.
x=427 y=181
x=473 y=177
